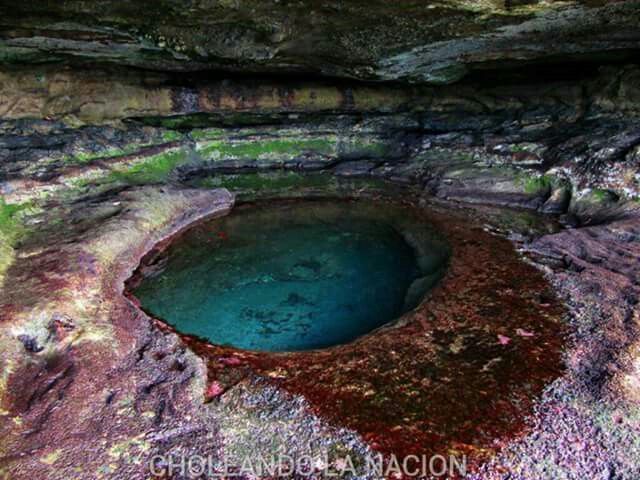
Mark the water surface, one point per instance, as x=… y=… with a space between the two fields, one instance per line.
x=284 y=277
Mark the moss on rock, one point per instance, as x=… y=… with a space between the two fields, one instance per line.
x=11 y=230
x=154 y=169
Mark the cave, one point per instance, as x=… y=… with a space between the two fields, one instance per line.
x=345 y=239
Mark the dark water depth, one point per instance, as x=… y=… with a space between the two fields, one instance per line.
x=285 y=277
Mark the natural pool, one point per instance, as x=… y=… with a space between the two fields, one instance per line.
x=293 y=276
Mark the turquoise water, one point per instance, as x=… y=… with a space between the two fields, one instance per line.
x=283 y=278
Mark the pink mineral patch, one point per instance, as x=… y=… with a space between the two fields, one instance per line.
x=214 y=390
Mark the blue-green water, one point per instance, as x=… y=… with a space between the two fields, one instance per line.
x=282 y=278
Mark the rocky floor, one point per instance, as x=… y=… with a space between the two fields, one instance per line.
x=76 y=348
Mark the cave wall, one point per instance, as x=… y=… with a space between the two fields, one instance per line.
x=528 y=103
x=562 y=146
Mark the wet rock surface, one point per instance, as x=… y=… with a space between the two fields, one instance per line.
x=587 y=422
x=137 y=389
x=565 y=147
x=97 y=356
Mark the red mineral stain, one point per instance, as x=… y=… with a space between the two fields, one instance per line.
x=442 y=381
x=214 y=390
